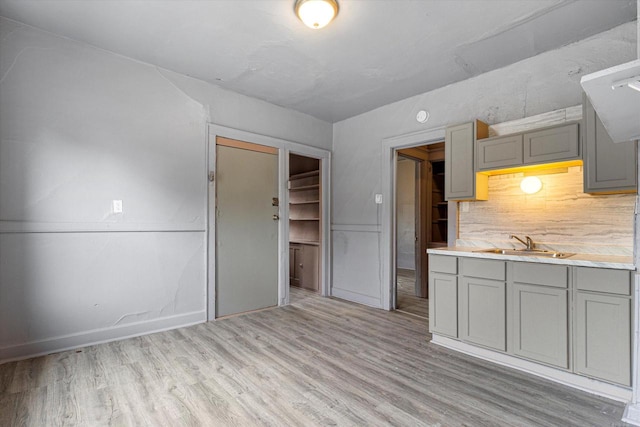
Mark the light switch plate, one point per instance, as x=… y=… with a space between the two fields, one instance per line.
x=378 y=199
x=117 y=206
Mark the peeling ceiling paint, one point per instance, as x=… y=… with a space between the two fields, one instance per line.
x=376 y=52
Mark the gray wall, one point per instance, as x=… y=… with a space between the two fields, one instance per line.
x=80 y=127
x=406 y=214
x=543 y=83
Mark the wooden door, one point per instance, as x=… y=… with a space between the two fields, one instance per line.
x=246 y=229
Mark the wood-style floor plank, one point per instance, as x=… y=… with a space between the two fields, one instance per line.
x=317 y=362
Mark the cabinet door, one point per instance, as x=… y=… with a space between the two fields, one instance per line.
x=608 y=167
x=483 y=312
x=552 y=145
x=443 y=304
x=495 y=153
x=295 y=261
x=603 y=341
x=461 y=181
x=309 y=267
x=540 y=324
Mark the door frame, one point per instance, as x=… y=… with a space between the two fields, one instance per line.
x=284 y=148
x=388 y=236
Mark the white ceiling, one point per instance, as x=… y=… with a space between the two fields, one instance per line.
x=374 y=53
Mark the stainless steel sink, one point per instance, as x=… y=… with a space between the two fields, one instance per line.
x=526 y=252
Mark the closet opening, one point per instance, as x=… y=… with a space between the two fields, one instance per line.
x=305 y=226
x=421 y=223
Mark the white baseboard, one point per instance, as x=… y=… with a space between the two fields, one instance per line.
x=355 y=297
x=610 y=391
x=99 y=336
x=632 y=414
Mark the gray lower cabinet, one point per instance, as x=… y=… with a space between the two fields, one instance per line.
x=539 y=324
x=483 y=312
x=443 y=304
x=603 y=324
x=483 y=302
x=608 y=167
x=540 y=312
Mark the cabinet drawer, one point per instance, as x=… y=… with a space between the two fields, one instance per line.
x=551 y=145
x=494 y=153
x=483 y=268
x=541 y=274
x=603 y=280
x=443 y=264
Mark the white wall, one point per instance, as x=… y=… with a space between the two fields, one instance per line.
x=406 y=214
x=543 y=83
x=80 y=127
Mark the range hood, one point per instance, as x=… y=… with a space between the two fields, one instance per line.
x=615 y=95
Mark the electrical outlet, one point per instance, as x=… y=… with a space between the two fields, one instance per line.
x=378 y=199
x=117 y=206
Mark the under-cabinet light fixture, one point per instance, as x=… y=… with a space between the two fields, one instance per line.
x=316 y=14
x=531 y=185
x=633 y=83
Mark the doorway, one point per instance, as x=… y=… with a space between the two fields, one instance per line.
x=305 y=227
x=421 y=223
x=247 y=227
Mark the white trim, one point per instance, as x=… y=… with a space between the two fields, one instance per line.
x=356 y=228
x=632 y=414
x=284 y=147
x=8 y=227
x=99 y=336
x=356 y=297
x=610 y=391
x=388 y=238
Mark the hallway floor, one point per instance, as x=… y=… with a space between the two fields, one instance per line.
x=407 y=300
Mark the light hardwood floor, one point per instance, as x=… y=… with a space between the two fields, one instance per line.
x=318 y=361
x=406 y=299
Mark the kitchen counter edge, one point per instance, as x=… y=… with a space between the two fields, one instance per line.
x=581 y=260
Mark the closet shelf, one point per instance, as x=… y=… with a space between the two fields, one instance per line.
x=304 y=175
x=304 y=219
x=305 y=187
x=308 y=202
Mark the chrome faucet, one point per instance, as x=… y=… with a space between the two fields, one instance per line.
x=529 y=243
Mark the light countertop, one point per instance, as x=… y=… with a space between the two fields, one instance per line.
x=582 y=260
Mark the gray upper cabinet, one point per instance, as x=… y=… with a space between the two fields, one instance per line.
x=608 y=167
x=461 y=181
x=554 y=144
x=499 y=152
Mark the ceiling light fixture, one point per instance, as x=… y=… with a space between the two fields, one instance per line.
x=632 y=83
x=316 y=13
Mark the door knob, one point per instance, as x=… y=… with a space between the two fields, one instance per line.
x=275 y=217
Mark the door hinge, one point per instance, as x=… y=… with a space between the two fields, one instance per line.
x=212 y=176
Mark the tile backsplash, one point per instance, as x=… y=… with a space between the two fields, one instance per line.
x=559 y=217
